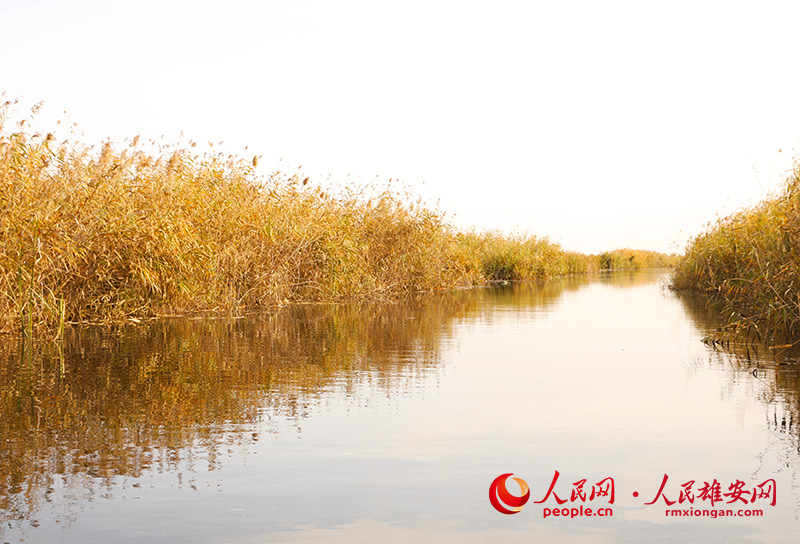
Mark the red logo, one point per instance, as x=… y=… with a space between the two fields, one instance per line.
x=502 y=500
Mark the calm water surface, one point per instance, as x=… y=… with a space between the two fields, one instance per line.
x=389 y=422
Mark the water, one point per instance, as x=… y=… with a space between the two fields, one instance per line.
x=326 y=423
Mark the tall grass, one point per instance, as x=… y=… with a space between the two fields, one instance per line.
x=124 y=232
x=635 y=259
x=748 y=265
x=498 y=257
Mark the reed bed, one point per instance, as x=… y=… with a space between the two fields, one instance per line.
x=132 y=231
x=500 y=257
x=748 y=265
x=635 y=259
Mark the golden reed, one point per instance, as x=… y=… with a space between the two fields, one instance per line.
x=748 y=265
x=121 y=232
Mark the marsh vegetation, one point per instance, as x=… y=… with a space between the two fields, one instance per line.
x=748 y=266
x=142 y=230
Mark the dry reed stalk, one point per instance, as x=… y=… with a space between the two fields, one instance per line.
x=118 y=233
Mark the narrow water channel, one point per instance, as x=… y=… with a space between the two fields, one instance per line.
x=389 y=422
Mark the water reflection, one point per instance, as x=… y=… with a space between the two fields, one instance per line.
x=355 y=422
x=777 y=369
x=135 y=398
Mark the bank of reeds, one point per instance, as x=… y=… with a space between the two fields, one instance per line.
x=123 y=232
x=499 y=257
x=748 y=265
x=635 y=259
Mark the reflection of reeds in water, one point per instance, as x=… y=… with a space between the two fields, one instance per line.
x=109 y=402
x=623 y=279
x=774 y=375
x=131 y=398
x=778 y=370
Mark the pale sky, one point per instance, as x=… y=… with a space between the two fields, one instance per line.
x=598 y=124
